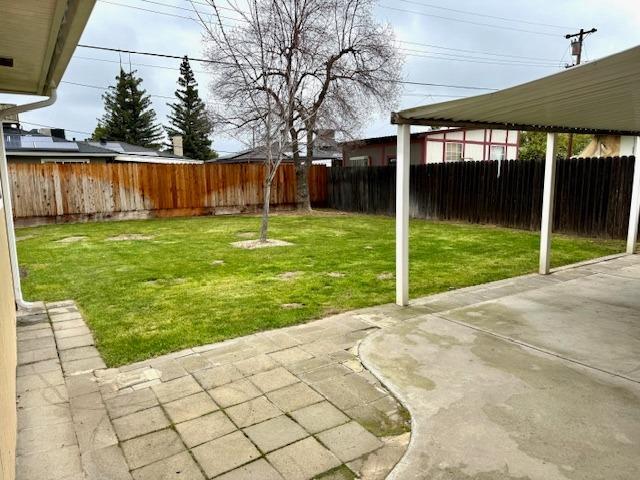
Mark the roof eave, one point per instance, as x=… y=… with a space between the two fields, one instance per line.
x=67 y=21
x=74 y=21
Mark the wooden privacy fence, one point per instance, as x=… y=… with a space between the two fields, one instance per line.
x=593 y=195
x=51 y=192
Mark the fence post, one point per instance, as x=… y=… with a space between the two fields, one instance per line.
x=547 y=203
x=632 y=234
x=403 y=163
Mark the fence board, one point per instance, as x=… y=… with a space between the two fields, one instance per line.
x=592 y=195
x=76 y=191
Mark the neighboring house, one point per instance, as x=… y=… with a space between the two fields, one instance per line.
x=51 y=146
x=251 y=155
x=436 y=146
x=326 y=152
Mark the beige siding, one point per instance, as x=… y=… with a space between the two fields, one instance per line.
x=434 y=152
x=473 y=151
x=7 y=359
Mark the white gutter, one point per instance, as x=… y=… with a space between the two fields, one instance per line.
x=58 y=153
x=156 y=159
x=6 y=194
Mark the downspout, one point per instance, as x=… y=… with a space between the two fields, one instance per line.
x=6 y=194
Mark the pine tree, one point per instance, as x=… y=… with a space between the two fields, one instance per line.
x=128 y=115
x=189 y=118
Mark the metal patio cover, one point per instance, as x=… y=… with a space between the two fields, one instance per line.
x=600 y=97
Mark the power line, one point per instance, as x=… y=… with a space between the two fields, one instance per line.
x=466 y=12
x=464 y=58
x=98 y=87
x=473 y=51
x=413 y=2
x=151 y=54
x=400 y=41
x=167 y=14
x=154 y=2
x=163 y=67
x=49 y=126
x=420 y=94
x=155 y=54
x=481 y=62
x=87 y=133
x=470 y=22
x=148 y=10
x=414 y=12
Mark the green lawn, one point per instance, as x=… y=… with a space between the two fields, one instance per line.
x=143 y=298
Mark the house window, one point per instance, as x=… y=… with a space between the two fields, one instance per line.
x=453 y=152
x=359 y=162
x=497 y=152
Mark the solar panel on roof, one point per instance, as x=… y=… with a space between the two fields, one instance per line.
x=36 y=142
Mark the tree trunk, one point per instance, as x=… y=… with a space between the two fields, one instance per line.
x=302 y=185
x=264 y=225
x=303 y=202
x=309 y=162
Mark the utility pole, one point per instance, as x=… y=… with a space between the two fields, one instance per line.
x=576 y=51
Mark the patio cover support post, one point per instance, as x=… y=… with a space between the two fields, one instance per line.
x=632 y=236
x=403 y=163
x=547 y=203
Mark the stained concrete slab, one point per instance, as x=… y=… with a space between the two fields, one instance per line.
x=525 y=386
x=594 y=320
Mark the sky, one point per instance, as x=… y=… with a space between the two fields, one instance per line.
x=488 y=44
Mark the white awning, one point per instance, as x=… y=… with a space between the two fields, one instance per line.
x=600 y=97
x=37 y=39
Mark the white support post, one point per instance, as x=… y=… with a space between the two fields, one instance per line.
x=403 y=163
x=632 y=235
x=547 y=203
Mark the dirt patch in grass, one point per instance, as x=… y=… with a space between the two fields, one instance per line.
x=129 y=236
x=217 y=263
x=292 y=306
x=336 y=274
x=71 y=239
x=24 y=237
x=385 y=276
x=289 y=275
x=253 y=244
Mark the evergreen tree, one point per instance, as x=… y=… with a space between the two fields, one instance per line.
x=128 y=115
x=189 y=118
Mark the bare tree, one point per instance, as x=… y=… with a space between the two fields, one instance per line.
x=255 y=100
x=351 y=71
x=323 y=63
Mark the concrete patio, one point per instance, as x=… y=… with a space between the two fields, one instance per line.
x=531 y=377
x=541 y=384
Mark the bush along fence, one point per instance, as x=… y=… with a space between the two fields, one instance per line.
x=592 y=198
x=50 y=192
